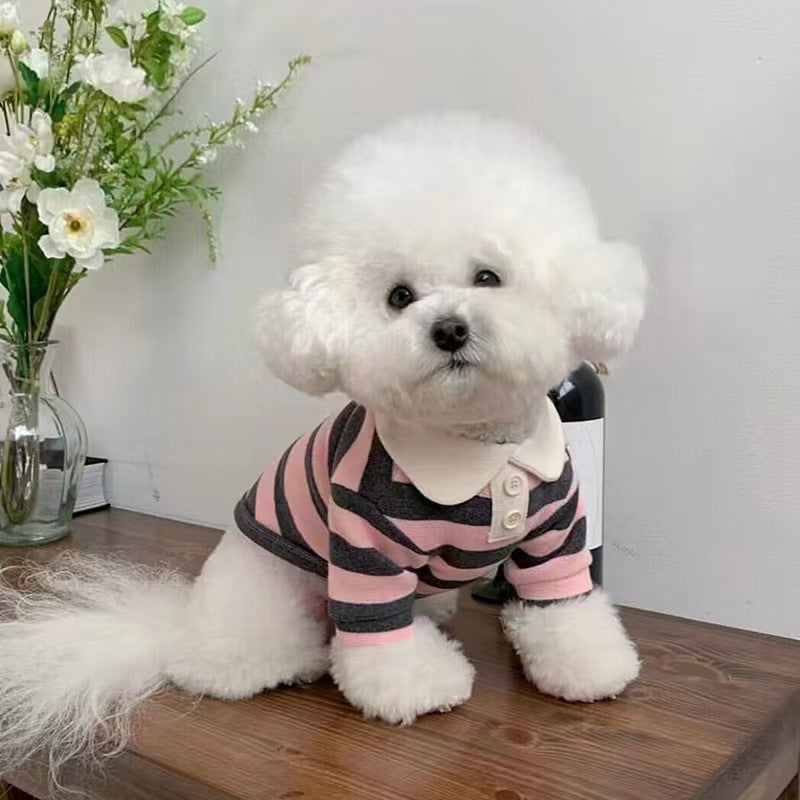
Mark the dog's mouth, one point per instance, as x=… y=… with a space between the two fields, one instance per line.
x=460 y=364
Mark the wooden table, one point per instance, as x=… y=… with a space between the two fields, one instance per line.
x=716 y=714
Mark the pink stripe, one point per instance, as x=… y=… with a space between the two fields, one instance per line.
x=265 y=500
x=301 y=506
x=354 y=462
x=384 y=637
x=545 y=512
x=561 y=589
x=319 y=459
x=423 y=590
x=546 y=543
x=564 y=576
x=398 y=476
x=353 y=587
x=358 y=532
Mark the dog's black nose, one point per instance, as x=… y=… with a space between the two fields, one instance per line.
x=450 y=334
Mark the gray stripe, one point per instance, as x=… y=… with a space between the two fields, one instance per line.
x=472 y=559
x=429 y=579
x=349 y=434
x=574 y=543
x=545 y=603
x=286 y=523
x=275 y=543
x=352 y=501
x=316 y=498
x=405 y=501
x=454 y=556
x=336 y=433
x=372 y=617
x=546 y=493
x=558 y=521
x=363 y=560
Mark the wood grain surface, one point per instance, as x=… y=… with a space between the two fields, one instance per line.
x=715 y=715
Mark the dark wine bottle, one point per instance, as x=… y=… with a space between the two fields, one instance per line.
x=580 y=402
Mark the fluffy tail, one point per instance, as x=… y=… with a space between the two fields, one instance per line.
x=83 y=641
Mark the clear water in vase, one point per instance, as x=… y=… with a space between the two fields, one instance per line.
x=42 y=448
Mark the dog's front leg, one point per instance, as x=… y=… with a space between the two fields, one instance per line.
x=573 y=649
x=397 y=681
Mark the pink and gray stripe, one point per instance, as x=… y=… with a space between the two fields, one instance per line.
x=337 y=505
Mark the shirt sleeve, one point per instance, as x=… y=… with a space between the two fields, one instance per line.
x=371 y=598
x=552 y=562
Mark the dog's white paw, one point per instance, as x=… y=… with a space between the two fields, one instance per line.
x=399 y=681
x=575 y=650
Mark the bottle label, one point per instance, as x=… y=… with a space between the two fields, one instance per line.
x=585 y=441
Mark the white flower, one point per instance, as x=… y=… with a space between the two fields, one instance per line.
x=79 y=223
x=114 y=75
x=9 y=18
x=34 y=143
x=38 y=60
x=172 y=25
x=124 y=17
x=15 y=178
x=12 y=167
x=172 y=8
x=208 y=155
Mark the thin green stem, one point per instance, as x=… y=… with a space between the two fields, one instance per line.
x=17 y=86
x=26 y=271
x=163 y=110
x=88 y=148
x=70 y=43
x=45 y=315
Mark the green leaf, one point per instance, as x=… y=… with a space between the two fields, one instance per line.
x=152 y=21
x=12 y=277
x=117 y=36
x=59 y=108
x=193 y=15
x=153 y=56
x=31 y=82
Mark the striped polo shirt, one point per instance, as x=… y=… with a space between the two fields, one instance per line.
x=337 y=505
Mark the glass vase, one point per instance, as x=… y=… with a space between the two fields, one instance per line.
x=43 y=448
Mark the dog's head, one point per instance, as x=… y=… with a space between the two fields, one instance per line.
x=452 y=272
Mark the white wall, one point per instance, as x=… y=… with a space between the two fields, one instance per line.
x=684 y=119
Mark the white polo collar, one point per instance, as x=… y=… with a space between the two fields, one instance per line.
x=450 y=469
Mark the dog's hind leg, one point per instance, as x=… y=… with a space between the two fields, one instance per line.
x=253 y=622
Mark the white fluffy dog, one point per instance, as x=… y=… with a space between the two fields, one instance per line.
x=451 y=273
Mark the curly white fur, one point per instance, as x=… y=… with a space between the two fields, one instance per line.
x=81 y=646
x=253 y=622
x=576 y=650
x=399 y=681
x=426 y=203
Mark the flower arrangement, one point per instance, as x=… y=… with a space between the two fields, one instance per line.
x=94 y=160
x=92 y=163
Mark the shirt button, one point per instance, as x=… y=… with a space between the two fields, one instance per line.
x=512 y=519
x=513 y=485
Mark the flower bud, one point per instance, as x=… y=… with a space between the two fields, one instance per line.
x=18 y=44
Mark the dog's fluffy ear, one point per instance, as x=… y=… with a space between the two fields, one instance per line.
x=295 y=329
x=602 y=287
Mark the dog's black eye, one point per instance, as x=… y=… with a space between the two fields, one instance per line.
x=486 y=277
x=400 y=297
